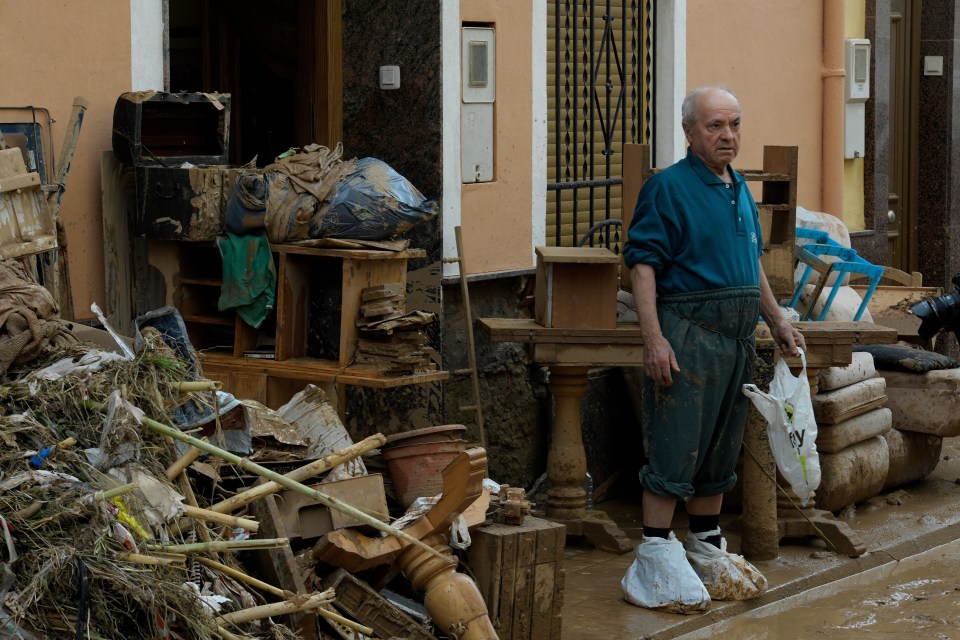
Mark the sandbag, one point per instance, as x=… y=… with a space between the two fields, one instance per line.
x=913 y=456
x=832 y=438
x=861 y=368
x=853 y=474
x=925 y=402
x=831 y=407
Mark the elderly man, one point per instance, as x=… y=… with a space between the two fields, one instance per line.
x=693 y=250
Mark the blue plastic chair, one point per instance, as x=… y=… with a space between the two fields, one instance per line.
x=849 y=263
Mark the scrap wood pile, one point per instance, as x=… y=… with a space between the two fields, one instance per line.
x=123 y=514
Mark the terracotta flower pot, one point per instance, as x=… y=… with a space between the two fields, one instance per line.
x=415 y=462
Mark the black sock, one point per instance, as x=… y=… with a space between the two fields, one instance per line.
x=702 y=524
x=656 y=532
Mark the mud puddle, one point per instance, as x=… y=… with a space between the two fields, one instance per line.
x=918 y=597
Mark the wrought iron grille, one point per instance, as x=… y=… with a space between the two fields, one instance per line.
x=600 y=84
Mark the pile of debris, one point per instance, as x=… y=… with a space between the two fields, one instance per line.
x=137 y=499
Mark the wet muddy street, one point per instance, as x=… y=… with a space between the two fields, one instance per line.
x=918 y=598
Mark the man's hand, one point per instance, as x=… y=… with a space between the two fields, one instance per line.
x=788 y=338
x=659 y=361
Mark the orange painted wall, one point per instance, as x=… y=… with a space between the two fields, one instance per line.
x=50 y=52
x=769 y=54
x=496 y=216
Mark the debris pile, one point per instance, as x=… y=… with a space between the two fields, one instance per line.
x=138 y=500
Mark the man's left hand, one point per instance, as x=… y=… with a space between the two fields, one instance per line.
x=788 y=338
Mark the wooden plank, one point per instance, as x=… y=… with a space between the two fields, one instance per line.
x=11 y=163
x=585 y=255
x=22 y=181
x=328 y=76
x=485 y=559
x=542 y=601
x=312 y=370
x=508 y=580
x=293 y=306
x=524 y=587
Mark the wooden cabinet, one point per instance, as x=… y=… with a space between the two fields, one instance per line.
x=312 y=335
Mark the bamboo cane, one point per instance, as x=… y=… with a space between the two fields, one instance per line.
x=277 y=591
x=300 y=474
x=220 y=545
x=221 y=518
x=243 y=577
x=182 y=463
x=277 y=608
x=197 y=385
x=110 y=494
x=253 y=467
x=165 y=559
x=226 y=635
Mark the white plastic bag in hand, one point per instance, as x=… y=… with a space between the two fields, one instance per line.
x=791 y=427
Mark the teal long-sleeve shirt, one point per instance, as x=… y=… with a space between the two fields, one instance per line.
x=696 y=231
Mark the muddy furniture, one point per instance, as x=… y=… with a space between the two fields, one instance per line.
x=569 y=354
x=519 y=571
x=318 y=300
x=452 y=598
x=768 y=515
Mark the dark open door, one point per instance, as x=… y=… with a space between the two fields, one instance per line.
x=904 y=104
x=281 y=61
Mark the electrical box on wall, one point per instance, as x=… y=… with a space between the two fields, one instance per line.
x=478 y=94
x=856 y=93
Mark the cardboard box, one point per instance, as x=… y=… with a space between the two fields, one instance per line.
x=305 y=518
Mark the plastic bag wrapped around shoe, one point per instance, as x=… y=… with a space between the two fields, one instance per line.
x=726 y=576
x=661 y=578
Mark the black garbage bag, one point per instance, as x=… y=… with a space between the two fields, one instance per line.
x=372 y=203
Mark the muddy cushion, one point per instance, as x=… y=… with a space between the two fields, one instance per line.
x=891 y=357
x=835 y=437
x=859 y=369
x=912 y=456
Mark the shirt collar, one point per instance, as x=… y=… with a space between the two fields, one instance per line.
x=705 y=174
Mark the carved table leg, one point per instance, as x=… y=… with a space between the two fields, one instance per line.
x=451 y=598
x=567 y=467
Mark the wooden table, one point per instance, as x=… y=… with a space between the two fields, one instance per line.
x=569 y=354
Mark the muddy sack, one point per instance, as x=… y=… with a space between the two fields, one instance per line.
x=246 y=206
x=372 y=203
x=791 y=427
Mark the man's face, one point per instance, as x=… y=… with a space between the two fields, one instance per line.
x=715 y=136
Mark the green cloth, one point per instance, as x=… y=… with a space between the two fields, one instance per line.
x=249 y=277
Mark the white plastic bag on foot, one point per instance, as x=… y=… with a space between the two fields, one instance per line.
x=726 y=576
x=661 y=578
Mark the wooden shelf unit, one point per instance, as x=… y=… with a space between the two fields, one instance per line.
x=313 y=326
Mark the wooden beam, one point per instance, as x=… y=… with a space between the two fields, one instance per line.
x=328 y=91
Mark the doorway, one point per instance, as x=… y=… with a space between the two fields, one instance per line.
x=904 y=133
x=279 y=59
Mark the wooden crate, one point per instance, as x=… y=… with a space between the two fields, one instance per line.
x=26 y=225
x=519 y=571
x=576 y=288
